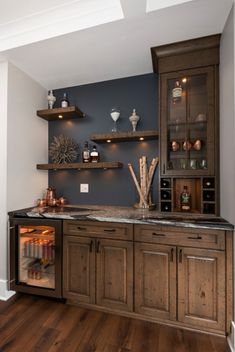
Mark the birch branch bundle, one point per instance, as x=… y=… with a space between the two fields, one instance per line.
x=146 y=177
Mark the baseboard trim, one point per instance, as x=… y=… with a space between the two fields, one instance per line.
x=231 y=338
x=4 y=293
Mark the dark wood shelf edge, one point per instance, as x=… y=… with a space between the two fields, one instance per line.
x=81 y=166
x=124 y=136
x=71 y=112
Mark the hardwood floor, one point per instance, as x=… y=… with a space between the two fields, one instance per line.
x=35 y=324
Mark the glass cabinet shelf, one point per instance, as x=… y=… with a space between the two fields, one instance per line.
x=187 y=120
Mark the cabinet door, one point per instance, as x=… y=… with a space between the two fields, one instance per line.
x=114 y=280
x=201 y=288
x=79 y=269
x=188 y=122
x=155 y=280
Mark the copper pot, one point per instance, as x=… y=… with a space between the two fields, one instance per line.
x=50 y=195
x=187 y=145
x=175 y=146
x=197 y=144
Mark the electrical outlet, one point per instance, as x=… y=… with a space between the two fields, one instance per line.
x=84 y=187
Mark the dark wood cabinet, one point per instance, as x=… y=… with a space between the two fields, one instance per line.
x=201 y=288
x=189 y=122
x=79 y=269
x=114 y=274
x=184 y=276
x=98 y=270
x=177 y=275
x=155 y=280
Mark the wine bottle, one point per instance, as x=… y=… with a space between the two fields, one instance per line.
x=177 y=92
x=185 y=200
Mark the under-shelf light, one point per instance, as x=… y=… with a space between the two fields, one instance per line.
x=141 y=138
x=60 y=116
x=108 y=141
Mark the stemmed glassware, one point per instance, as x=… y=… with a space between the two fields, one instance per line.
x=115 y=114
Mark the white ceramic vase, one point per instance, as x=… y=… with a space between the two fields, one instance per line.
x=134 y=120
x=51 y=99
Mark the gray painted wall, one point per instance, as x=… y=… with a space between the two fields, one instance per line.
x=111 y=187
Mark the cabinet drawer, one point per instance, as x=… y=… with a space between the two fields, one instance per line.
x=200 y=238
x=99 y=229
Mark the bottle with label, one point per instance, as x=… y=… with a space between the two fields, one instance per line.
x=177 y=92
x=95 y=155
x=185 y=200
x=86 y=153
x=65 y=101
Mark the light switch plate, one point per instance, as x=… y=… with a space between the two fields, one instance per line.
x=84 y=187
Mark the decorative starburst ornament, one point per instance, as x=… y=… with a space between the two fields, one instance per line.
x=63 y=150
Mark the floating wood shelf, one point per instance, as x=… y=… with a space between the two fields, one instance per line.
x=78 y=166
x=124 y=136
x=72 y=112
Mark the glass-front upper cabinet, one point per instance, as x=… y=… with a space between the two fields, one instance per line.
x=187 y=122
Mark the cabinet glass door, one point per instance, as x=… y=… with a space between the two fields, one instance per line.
x=187 y=122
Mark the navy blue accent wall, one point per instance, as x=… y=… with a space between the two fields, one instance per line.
x=108 y=187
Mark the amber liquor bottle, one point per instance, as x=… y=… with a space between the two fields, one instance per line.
x=95 y=157
x=177 y=92
x=185 y=200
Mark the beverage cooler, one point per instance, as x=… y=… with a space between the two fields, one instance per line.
x=35 y=256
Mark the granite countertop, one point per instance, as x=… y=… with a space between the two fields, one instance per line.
x=124 y=215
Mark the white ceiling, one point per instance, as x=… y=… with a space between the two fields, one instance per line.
x=112 y=39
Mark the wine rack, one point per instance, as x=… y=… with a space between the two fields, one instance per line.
x=166 y=194
x=202 y=190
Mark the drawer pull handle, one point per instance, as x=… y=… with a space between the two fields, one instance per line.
x=91 y=246
x=81 y=228
x=109 y=230
x=172 y=254
x=98 y=247
x=180 y=255
x=158 y=234
x=195 y=238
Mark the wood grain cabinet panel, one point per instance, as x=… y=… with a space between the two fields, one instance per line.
x=114 y=279
x=201 y=288
x=155 y=280
x=79 y=269
x=115 y=231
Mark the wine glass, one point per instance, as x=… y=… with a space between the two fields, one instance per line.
x=115 y=114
